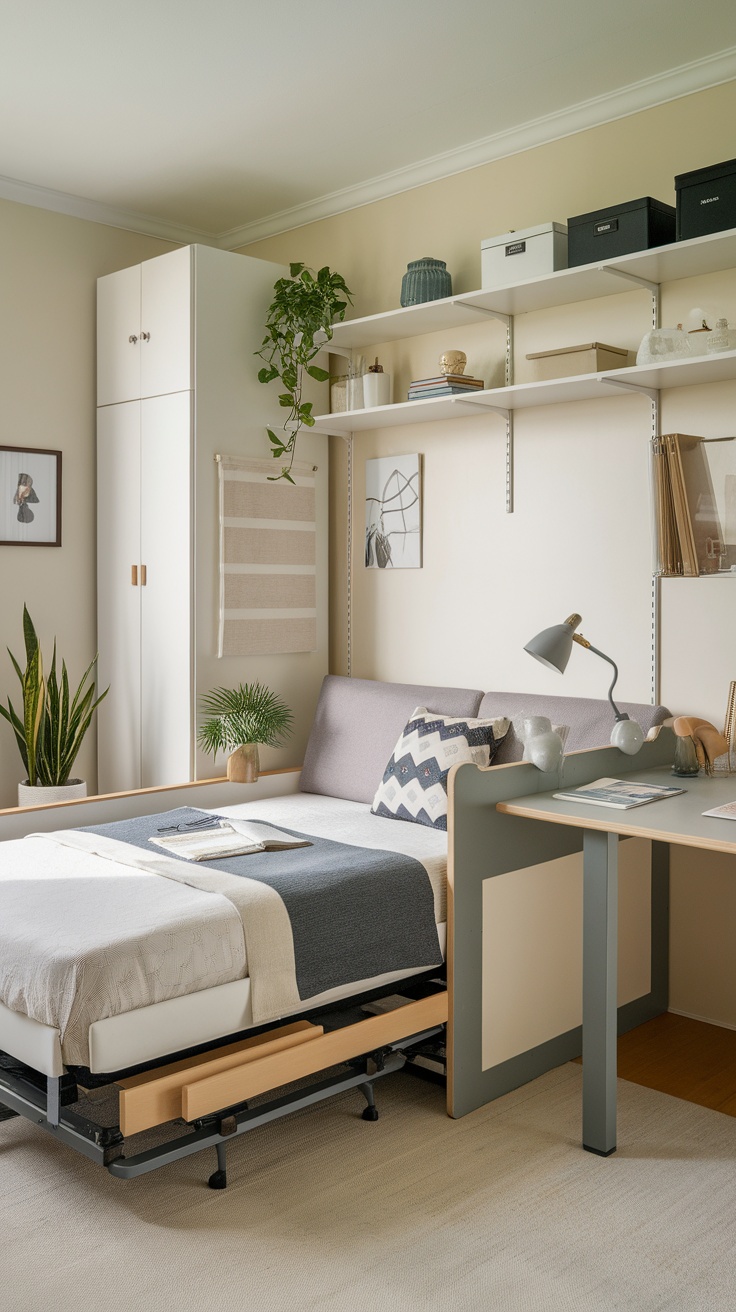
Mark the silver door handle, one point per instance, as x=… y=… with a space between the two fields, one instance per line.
x=133 y=338
x=145 y=337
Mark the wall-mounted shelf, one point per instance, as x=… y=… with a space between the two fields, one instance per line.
x=525 y=396
x=684 y=259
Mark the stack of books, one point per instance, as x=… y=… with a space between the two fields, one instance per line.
x=443 y=385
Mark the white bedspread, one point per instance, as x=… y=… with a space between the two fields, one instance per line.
x=84 y=937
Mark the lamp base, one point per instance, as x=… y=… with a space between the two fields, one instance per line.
x=628 y=736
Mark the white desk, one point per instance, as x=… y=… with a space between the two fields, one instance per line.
x=675 y=820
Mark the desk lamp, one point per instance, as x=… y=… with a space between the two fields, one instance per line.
x=553 y=646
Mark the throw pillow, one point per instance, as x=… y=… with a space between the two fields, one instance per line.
x=414 y=784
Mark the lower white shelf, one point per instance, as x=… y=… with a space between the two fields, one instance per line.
x=524 y=396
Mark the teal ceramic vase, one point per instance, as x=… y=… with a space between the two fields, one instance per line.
x=425 y=280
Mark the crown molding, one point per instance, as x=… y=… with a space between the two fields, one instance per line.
x=78 y=207
x=657 y=90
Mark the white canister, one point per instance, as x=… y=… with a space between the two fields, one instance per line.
x=376 y=388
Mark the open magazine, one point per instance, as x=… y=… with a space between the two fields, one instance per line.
x=619 y=793
x=229 y=838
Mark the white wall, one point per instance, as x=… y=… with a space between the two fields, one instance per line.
x=49 y=265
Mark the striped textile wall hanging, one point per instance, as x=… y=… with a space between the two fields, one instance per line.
x=268 y=536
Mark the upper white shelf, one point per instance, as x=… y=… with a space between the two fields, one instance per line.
x=524 y=396
x=682 y=259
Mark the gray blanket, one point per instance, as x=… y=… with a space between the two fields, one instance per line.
x=354 y=912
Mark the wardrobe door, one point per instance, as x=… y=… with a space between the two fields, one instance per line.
x=118 y=596
x=166 y=336
x=166 y=600
x=118 y=336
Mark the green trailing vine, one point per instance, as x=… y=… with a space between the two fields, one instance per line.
x=305 y=305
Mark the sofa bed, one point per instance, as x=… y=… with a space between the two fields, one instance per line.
x=180 y=996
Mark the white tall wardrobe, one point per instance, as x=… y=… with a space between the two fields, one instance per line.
x=176 y=384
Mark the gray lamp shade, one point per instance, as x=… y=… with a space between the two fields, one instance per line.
x=552 y=646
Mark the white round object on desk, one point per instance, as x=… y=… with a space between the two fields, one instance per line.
x=628 y=736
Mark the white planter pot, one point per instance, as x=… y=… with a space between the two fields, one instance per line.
x=33 y=795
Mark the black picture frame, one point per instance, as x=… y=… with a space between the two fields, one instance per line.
x=30 y=497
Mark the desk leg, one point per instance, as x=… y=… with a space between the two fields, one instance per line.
x=600 y=952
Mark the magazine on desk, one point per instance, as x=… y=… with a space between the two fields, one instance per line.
x=621 y=794
x=725 y=812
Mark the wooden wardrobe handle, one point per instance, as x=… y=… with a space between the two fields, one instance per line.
x=143 y=576
x=134 y=575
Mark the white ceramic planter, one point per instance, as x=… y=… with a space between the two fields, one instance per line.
x=33 y=795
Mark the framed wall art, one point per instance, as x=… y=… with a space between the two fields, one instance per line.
x=30 y=497
x=393 y=513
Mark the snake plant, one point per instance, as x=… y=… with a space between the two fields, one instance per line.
x=52 y=724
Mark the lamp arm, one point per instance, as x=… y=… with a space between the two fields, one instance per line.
x=620 y=715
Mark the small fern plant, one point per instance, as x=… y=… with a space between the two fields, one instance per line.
x=250 y=713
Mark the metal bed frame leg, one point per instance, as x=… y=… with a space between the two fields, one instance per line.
x=369 y=1113
x=7 y=1113
x=218 y=1179
x=53 y=1100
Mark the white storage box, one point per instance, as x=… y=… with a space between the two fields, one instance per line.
x=530 y=253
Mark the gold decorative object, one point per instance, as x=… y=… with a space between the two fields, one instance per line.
x=453 y=362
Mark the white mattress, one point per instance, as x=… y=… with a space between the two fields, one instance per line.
x=158 y=1026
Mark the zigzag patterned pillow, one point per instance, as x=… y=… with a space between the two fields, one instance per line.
x=414 y=784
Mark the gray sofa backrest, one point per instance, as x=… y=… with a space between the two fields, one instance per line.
x=356 y=726
x=590 y=718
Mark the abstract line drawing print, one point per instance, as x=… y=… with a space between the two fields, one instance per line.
x=393 y=513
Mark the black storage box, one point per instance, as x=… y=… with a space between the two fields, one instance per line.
x=619 y=230
x=706 y=200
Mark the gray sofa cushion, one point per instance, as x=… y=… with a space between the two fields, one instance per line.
x=590 y=718
x=356 y=726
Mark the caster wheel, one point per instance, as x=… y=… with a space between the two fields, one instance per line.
x=370 y=1114
x=218 y=1180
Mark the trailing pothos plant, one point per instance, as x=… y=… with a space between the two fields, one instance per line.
x=305 y=306
x=52 y=723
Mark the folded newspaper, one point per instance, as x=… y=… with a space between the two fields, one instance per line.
x=236 y=838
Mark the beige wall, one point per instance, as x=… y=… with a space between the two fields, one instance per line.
x=579 y=538
x=49 y=264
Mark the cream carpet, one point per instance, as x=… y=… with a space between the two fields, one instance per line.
x=500 y=1210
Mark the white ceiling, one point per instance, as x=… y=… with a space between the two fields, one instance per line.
x=235 y=118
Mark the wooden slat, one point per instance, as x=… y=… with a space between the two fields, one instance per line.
x=207 y=1095
x=156 y=1096
x=139 y=792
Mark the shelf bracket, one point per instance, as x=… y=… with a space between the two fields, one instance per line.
x=508 y=321
x=483 y=309
x=627 y=386
x=508 y=415
x=652 y=287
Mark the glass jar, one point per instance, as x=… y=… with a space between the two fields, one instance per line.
x=685 y=763
x=720 y=338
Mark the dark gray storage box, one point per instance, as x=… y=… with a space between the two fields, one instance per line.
x=634 y=225
x=706 y=200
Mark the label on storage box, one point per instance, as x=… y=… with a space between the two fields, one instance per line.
x=516 y=248
x=610 y=225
